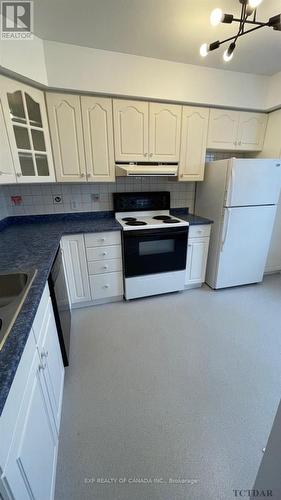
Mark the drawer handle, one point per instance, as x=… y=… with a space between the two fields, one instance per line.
x=104 y=253
x=105 y=267
x=102 y=239
x=44 y=354
x=106 y=286
x=42 y=366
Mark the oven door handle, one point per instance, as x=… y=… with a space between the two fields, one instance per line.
x=160 y=232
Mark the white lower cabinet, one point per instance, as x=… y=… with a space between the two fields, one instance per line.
x=93 y=267
x=197 y=253
x=29 y=424
x=73 y=248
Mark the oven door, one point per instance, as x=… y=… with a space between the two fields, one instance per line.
x=152 y=251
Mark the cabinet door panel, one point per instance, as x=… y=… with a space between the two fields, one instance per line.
x=7 y=169
x=223 y=129
x=67 y=137
x=197 y=253
x=30 y=470
x=193 y=143
x=98 y=135
x=130 y=130
x=164 y=132
x=76 y=268
x=52 y=359
x=251 y=131
x=24 y=112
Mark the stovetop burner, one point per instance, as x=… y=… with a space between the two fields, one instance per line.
x=136 y=223
x=171 y=221
x=129 y=219
x=162 y=217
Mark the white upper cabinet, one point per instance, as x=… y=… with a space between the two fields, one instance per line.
x=130 y=130
x=65 y=121
x=7 y=166
x=164 y=132
x=24 y=116
x=223 y=129
x=98 y=138
x=236 y=131
x=251 y=131
x=193 y=143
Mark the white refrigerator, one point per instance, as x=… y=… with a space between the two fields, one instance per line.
x=240 y=196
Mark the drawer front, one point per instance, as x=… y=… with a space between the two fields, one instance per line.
x=106 y=285
x=103 y=239
x=105 y=266
x=103 y=253
x=199 y=231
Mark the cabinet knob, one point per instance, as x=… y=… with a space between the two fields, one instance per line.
x=104 y=253
x=88 y=176
x=44 y=354
x=145 y=154
x=105 y=267
x=106 y=286
x=102 y=239
x=150 y=154
x=42 y=366
x=18 y=174
x=82 y=174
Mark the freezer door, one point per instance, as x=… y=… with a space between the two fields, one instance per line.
x=245 y=240
x=253 y=182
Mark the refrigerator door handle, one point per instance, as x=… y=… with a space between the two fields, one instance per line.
x=231 y=184
x=225 y=227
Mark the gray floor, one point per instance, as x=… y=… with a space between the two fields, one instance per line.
x=183 y=386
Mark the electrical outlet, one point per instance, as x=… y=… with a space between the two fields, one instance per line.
x=95 y=197
x=57 y=199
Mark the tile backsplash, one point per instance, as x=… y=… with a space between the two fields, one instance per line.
x=58 y=198
x=3 y=208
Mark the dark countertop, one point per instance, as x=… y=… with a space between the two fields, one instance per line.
x=193 y=219
x=31 y=242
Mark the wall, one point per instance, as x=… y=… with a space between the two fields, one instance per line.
x=86 y=69
x=273 y=100
x=38 y=198
x=24 y=57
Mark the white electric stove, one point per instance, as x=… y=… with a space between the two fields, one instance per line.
x=154 y=244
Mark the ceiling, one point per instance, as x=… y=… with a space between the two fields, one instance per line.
x=164 y=29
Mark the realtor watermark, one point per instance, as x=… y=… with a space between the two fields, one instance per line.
x=253 y=493
x=140 y=480
x=17 y=20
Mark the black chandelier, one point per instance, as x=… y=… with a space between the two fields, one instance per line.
x=248 y=16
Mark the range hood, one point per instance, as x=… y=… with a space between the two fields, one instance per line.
x=146 y=169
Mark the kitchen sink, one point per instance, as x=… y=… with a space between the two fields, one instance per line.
x=13 y=290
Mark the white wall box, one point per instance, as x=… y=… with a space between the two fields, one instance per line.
x=29 y=423
x=24 y=134
x=194 y=131
x=197 y=253
x=73 y=248
x=236 y=131
x=146 y=131
x=272 y=149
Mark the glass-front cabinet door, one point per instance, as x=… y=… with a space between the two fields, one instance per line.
x=27 y=125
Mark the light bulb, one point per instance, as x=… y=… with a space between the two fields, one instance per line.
x=227 y=57
x=228 y=53
x=204 y=50
x=254 y=3
x=216 y=17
